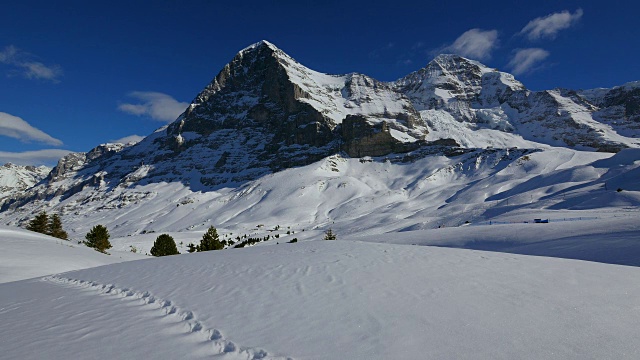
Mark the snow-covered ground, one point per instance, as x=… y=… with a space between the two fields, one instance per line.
x=25 y=254
x=341 y=299
x=613 y=240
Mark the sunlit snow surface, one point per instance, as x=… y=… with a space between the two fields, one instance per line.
x=328 y=300
x=25 y=254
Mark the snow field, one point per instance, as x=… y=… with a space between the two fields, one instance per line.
x=328 y=300
x=25 y=254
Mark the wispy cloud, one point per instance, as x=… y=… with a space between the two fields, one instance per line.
x=549 y=26
x=524 y=60
x=474 y=43
x=156 y=105
x=24 y=64
x=128 y=139
x=47 y=157
x=17 y=128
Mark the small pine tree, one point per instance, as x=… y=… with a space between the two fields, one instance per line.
x=329 y=235
x=40 y=223
x=164 y=245
x=210 y=240
x=55 y=228
x=98 y=238
x=191 y=248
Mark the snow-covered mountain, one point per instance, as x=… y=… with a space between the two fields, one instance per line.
x=458 y=98
x=17 y=178
x=267 y=125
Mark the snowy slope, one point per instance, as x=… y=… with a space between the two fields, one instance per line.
x=17 y=178
x=369 y=196
x=328 y=300
x=25 y=254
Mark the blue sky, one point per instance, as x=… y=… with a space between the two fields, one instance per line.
x=74 y=74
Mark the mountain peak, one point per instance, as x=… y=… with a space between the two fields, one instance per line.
x=449 y=61
x=259 y=45
x=449 y=57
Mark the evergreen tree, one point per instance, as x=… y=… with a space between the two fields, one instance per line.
x=164 y=245
x=210 y=240
x=329 y=235
x=55 y=228
x=40 y=223
x=191 y=248
x=98 y=238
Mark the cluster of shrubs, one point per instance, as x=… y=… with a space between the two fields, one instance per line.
x=98 y=237
x=251 y=241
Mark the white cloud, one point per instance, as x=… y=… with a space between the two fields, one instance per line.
x=15 y=127
x=8 y=54
x=133 y=109
x=525 y=59
x=158 y=106
x=128 y=139
x=27 y=67
x=37 y=70
x=47 y=157
x=474 y=43
x=549 y=26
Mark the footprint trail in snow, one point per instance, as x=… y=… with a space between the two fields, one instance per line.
x=182 y=325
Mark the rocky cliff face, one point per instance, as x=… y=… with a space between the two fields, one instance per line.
x=265 y=112
x=618 y=107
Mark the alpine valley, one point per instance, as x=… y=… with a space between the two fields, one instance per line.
x=270 y=142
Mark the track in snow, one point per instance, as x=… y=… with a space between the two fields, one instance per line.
x=191 y=327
